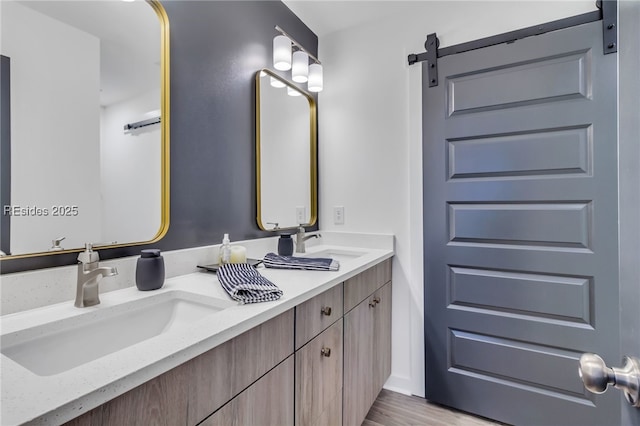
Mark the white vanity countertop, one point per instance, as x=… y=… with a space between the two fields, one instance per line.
x=55 y=399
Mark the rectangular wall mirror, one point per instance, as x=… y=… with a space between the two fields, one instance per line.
x=286 y=153
x=89 y=139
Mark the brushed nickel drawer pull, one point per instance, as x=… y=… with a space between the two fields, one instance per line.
x=326 y=352
x=376 y=300
x=326 y=310
x=372 y=304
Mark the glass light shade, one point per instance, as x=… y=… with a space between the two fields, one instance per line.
x=277 y=83
x=293 y=92
x=315 y=78
x=281 y=53
x=300 y=68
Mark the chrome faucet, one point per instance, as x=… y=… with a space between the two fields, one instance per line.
x=301 y=238
x=87 y=293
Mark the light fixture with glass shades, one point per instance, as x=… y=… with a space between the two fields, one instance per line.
x=314 y=83
x=282 y=53
x=288 y=54
x=300 y=67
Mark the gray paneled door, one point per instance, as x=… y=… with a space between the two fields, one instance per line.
x=521 y=235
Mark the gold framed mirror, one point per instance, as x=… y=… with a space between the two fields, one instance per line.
x=286 y=154
x=89 y=124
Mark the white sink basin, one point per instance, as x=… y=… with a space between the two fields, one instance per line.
x=61 y=345
x=337 y=254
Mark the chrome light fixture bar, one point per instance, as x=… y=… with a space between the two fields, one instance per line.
x=301 y=71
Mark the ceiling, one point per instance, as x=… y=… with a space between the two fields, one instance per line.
x=327 y=16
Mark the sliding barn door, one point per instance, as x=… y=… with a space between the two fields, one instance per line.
x=521 y=234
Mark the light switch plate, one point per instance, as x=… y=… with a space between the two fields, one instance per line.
x=338 y=215
x=301 y=215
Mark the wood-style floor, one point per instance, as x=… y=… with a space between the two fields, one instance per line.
x=394 y=409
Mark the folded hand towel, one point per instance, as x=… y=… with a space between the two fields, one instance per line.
x=245 y=284
x=272 y=260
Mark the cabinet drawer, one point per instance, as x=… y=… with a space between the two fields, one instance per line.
x=319 y=378
x=223 y=372
x=268 y=402
x=318 y=313
x=357 y=289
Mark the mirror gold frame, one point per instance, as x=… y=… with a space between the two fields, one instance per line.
x=313 y=150
x=164 y=126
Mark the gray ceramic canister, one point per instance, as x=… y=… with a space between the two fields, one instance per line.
x=150 y=270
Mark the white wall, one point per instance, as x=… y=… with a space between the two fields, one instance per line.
x=52 y=162
x=131 y=170
x=370 y=137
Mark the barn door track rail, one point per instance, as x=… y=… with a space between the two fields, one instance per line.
x=608 y=13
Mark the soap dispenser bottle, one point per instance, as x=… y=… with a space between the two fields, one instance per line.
x=225 y=250
x=150 y=270
x=285 y=245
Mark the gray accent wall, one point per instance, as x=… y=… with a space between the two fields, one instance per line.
x=215 y=47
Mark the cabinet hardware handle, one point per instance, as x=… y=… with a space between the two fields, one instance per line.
x=326 y=352
x=372 y=304
x=376 y=300
x=326 y=310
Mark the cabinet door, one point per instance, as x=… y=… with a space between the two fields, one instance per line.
x=317 y=314
x=161 y=401
x=358 y=363
x=268 y=402
x=319 y=377
x=382 y=337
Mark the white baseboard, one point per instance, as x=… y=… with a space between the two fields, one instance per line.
x=399 y=384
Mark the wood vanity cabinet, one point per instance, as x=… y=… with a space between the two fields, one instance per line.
x=367 y=341
x=321 y=363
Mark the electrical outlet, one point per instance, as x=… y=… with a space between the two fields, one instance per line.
x=338 y=215
x=301 y=215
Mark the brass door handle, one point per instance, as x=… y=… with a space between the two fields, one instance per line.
x=326 y=352
x=326 y=310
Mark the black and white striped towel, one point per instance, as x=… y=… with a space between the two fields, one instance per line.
x=245 y=284
x=272 y=260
